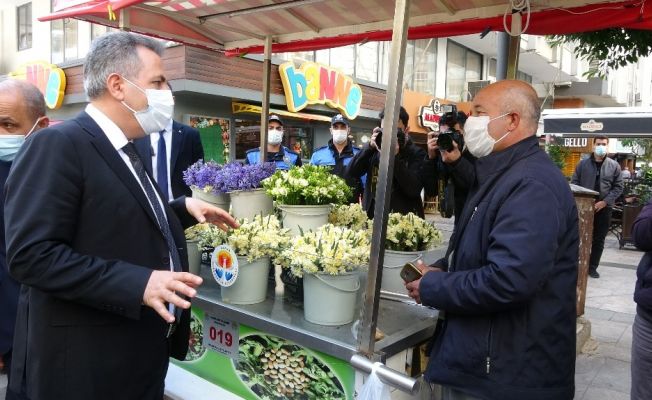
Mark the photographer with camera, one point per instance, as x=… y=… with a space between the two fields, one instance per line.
x=449 y=170
x=408 y=183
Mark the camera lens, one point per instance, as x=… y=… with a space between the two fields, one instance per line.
x=445 y=141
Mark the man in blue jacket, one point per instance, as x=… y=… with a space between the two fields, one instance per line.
x=508 y=299
x=338 y=154
x=283 y=157
x=22 y=112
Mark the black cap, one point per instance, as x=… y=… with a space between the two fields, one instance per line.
x=274 y=117
x=339 y=119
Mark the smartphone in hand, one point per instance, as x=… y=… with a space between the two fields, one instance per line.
x=410 y=273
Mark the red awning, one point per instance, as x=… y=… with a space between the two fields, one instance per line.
x=239 y=26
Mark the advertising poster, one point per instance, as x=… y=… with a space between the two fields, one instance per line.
x=256 y=365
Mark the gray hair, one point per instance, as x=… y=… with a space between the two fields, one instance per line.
x=33 y=98
x=115 y=52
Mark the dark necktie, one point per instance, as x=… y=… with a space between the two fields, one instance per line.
x=162 y=167
x=130 y=150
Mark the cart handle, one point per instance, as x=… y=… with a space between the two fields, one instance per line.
x=386 y=375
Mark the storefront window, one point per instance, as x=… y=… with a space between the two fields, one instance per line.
x=366 y=61
x=462 y=66
x=24 y=24
x=425 y=62
x=98 y=30
x=214 y=133
x=296 y=137
x=64 y=40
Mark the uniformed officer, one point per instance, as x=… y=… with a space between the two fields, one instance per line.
x=276 y=152
x=338 y=153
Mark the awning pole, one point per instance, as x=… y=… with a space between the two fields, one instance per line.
x=367 y=332
x=514 y=46
x=264 y=112
x=124 y=24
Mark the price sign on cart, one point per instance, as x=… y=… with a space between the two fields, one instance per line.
x=221 y=336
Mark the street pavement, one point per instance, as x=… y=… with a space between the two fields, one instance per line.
x=603 y=368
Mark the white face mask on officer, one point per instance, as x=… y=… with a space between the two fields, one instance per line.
x=476 y=135
x=339 y=135
x=160 y=107
x=274 y=136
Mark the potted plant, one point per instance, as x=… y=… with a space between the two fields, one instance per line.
x=201 y=177
x=351 y=216
x=255 y=243
x=305 y=195
x=408 y=237
x=328 y=260
x=243 y=183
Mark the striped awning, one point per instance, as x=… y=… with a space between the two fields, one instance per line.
x=239 y=26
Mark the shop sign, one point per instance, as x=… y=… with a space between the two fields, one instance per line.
x=430 y=115
x=576 y=142
x=320 y=84
x=48 y=78
x=591 y=126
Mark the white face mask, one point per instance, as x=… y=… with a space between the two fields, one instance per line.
x=476 y=135
x=339 y=135
x=274 y=136
x=600 y=150
x=160 y=107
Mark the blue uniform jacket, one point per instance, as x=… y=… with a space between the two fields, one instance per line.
x=328 y=155
x=284 y=158
x=509 y=300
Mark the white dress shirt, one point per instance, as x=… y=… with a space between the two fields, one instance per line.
x=119 y=140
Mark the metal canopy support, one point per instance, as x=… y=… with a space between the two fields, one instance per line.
x=514 y=46
x=502 y=44
x=366 y=335
x=123 y=23
x=264 y=112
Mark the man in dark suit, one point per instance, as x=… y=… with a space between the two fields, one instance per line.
x=22 y=111
x=182 y=148
x=100 y=254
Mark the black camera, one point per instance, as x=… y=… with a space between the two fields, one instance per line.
x=445 y=140
x=400 y=135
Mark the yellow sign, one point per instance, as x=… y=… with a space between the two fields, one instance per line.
x=48 y=78
x=319 y=84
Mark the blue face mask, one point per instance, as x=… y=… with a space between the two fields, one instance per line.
x=600 y=150
x=10 y=144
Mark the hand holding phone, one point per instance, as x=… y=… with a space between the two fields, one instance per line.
x=410 y=273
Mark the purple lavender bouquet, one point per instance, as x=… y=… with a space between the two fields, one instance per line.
x=212 y=177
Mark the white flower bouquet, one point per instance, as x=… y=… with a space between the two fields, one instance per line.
x=410 y=233
x=262 y=237
x=307 y=185
x=351 y=216
x=329 y=250
x=206 y=235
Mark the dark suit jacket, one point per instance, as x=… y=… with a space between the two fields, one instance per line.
x=83 y=240
x=186 y=150
x=9 y=288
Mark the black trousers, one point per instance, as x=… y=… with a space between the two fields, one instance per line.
x=601 y=223
x=12 y=395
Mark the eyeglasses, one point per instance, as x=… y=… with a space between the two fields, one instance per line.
x=278 y=128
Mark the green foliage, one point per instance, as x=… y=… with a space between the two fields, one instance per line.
x=558 y=154
x=607 y=49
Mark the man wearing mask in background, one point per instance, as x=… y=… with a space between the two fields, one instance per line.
x=168 y=153
x=276 y=152
x=507 y=302
x=602 y=174
x=408 y=179
x=22 y=112
x=338 y=153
